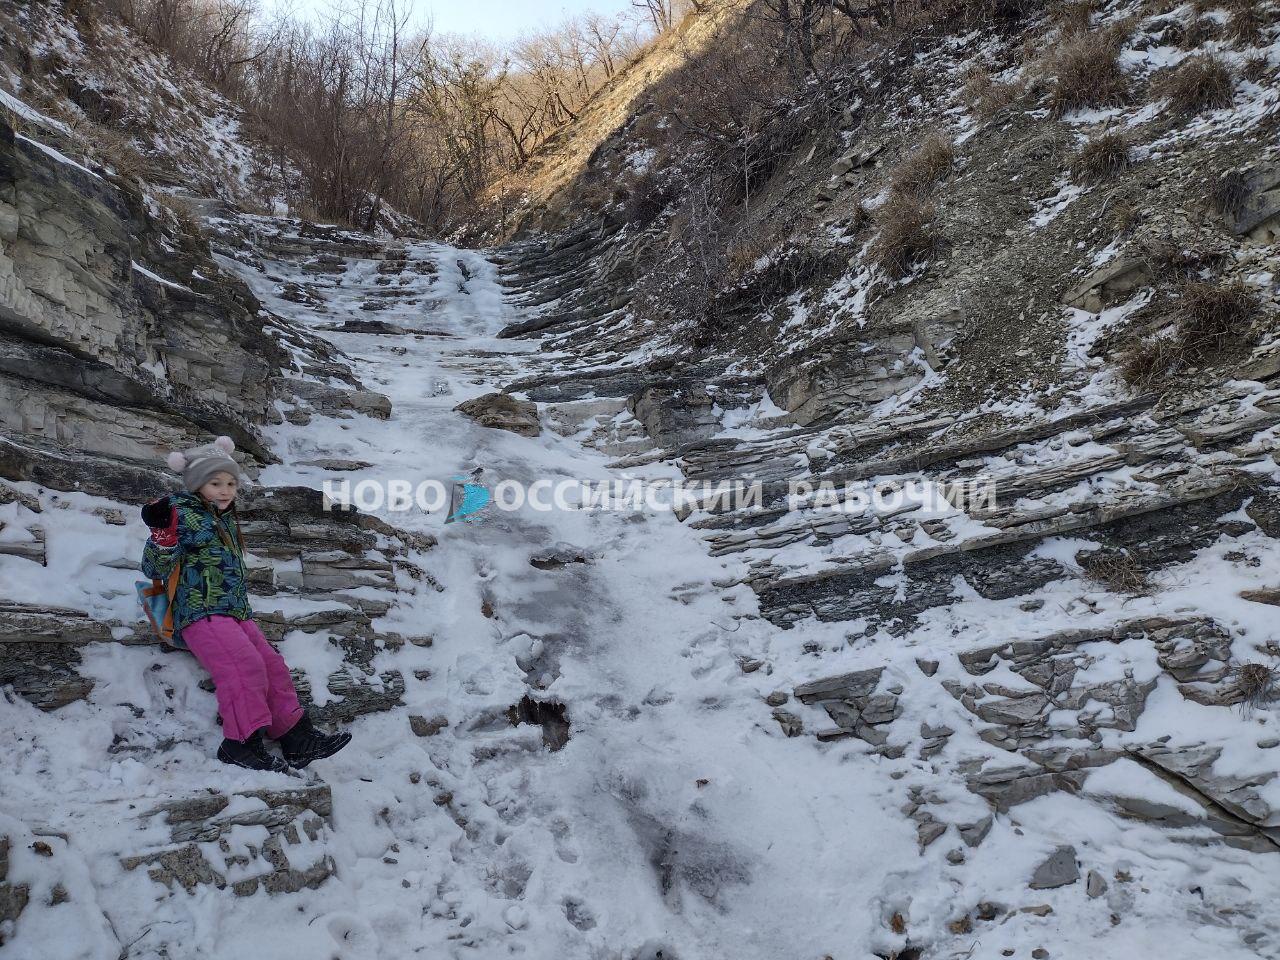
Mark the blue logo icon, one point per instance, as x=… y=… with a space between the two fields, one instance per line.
x=467 y=500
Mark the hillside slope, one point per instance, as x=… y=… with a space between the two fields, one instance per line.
x=558 y=182
x=78 y=76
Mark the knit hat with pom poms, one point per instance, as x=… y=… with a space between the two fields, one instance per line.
x=199 y=465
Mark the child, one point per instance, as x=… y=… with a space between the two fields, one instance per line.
x=199 y=530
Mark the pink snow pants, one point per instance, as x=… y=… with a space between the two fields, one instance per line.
x=254 y=688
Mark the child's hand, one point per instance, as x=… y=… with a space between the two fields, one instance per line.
x=162 y=518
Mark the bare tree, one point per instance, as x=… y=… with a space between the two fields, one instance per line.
x=458 y=94
x=367 y=110
x=661 y=13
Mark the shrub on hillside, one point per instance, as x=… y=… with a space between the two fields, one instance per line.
x=757 y=279
x=1171 y=261
x=859 y=217
x=906 y=233
x=930 y=163
x=115 y=150
x=1102 y=157
x=1214 y=319
x=1086 y=73
x=1197 y=84
x=743 y=257
x=1244 y=25
x=1014 y=10
x=645 y=197
x=1195 y=33
x=736 y=104
x=966 y=14
x=1124 y=216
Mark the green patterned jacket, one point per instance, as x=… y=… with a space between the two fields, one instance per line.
x=212 y=581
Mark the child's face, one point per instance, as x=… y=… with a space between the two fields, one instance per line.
x=221 y=490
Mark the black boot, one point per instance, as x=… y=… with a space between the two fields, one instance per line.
x=305 y=743
x=250 y=753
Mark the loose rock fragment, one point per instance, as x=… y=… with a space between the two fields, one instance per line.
x=1094 y=884
x=1058 y=870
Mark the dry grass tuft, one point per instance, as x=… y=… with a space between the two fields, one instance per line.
x=906 y=233
x=804 y=265
x=1197 y=84
x=1196 y=33
x=1124 y=216
x=1146 y=364
x=930 y=163
x=1244 y=26
x=1214 y=319
x=1117 y=570
x=118 y=152
x=1255 y=67
x=1086 y=73
x=1256 y=683
x=1172 y=261
x=1013 y=10
x=1075 y=18
x=987 y=97
x=1229 y=192
x=741 y=258
x=1102 y=157
x=182 y=210
x=953 y=14
x=758 y=277
x=859 y=217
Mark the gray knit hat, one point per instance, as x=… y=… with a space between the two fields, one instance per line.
x=198 y=465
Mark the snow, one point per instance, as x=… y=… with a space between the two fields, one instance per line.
x=1106 y=254
x=30 y=114
x=81 y=552
x=1098 y=115
x=56 y=155
x=158 y=279
x=316 y=656
x=639 y=160
x=1050 y=207
x=156 y=369
x=751 y=422
x=1086 y=328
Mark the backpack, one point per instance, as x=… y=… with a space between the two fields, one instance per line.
x=156 y=597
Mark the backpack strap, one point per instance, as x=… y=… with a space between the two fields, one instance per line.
x=171 y=590
x=171 y=585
